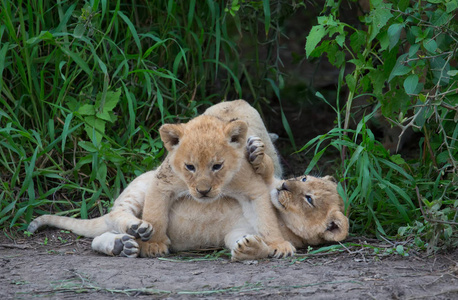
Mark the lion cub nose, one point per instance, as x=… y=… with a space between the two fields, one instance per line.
x=284 y=186
x=204 y=192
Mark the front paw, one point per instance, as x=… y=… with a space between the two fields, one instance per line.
x=255 y=148
x=142 y=230
x=250 y=247
x=283 y=249
x=154 y=249
x=125 y=246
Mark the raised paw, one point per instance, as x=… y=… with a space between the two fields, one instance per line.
x=249 y=247
x=255 y=148
x=125 y=246
x=154 y=249
x=142 y=230
x=283 y=249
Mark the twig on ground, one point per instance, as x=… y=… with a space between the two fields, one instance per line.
x=15 y=246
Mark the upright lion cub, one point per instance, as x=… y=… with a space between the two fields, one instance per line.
x=206 y=161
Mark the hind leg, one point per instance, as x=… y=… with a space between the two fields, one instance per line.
x=126 y=222
x=116 y=244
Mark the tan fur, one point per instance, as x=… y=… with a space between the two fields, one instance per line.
x=222 y=222
x=206 y=161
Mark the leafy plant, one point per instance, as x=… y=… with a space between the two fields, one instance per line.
x=402 y=59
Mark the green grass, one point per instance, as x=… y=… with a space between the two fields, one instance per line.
x=85 y=85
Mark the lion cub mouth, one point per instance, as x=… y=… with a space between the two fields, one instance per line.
x=205 y=199
x=276 y=195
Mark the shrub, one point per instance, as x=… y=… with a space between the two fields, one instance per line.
x=402 y=58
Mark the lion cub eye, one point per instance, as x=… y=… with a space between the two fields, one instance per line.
x=217 y=167
x=309 y=199
x=190 y=168
x=304 y=179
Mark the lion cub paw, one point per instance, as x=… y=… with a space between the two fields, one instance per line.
x=126 y=246
x=154 y=249
x=283 y=249
x=255 y=148
x=142 y=230
x=249 y=247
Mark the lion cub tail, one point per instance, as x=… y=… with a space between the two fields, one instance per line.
x=88 y=228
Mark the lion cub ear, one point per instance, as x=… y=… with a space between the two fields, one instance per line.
x=236 y=132
x=171 y=135
x=330 y=178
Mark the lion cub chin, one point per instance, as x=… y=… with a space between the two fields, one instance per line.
x=206 y=160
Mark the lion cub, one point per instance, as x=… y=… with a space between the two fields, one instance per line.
x=206 y=162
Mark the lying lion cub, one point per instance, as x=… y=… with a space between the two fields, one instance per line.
x=309 y=211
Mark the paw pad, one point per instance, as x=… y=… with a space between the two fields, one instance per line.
x=143 y=231
x=126 y=246
x=255 y=148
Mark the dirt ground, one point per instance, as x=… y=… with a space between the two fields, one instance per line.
x=57 y=265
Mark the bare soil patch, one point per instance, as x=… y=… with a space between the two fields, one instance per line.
x=57 y=265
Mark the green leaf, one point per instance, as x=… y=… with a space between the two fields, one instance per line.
x=89 y=147
x=79 y=30
x=394 y=33
x=399 y=68
x=102 y=173
x=378 y=81
x=266 y=6
x=384 y=40
x=111 y=100
x=314 y=38
x=314 y=160
x=351 y=82
x=413 y=50
x=442 y=157
x=380 y=17
x=340 y=39
x=403 y=4
x=65 y=131
x=430 y=45
x=357 y=40
x=44 y=35
x=3 y=52
x=104 y=115
x=451 y=6
x=400 y=250
x=397 y=159
x=439 y=17
x=132 y=30
x=94 y=128
x=452 y=73
x=411 y=83
x=416 y=31
x=87 y=110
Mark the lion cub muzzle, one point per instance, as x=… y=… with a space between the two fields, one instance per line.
x=203 y=191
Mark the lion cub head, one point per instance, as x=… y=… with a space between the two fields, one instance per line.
x=205 y=153
x=312 y=209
